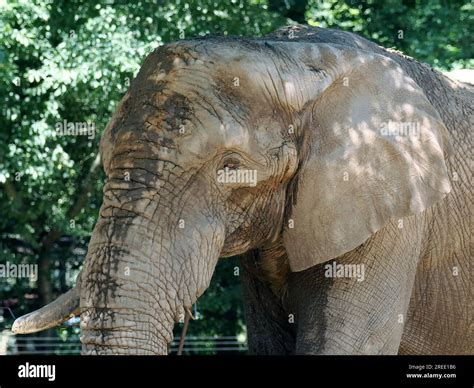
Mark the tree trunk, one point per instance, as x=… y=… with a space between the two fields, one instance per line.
x=45 y=292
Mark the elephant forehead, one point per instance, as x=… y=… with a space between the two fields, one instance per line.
x=192 y=106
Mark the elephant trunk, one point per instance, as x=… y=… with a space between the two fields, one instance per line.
x=146 y=264
x=138 y=279
x=123 y=313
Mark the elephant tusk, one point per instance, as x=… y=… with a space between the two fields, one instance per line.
x=51 y=315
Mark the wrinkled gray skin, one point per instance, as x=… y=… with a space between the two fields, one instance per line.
x=280 y=105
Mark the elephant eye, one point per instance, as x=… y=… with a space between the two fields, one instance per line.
x=231 y=163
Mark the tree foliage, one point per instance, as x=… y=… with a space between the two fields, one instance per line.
x=438 y=32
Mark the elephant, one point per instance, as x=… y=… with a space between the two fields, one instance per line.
x=337 y=170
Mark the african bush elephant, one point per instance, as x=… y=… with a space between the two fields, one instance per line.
x=337 y=169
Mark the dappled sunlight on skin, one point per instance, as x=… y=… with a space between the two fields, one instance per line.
x=401 y=173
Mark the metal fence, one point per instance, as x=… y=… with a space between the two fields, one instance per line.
x=12 y=344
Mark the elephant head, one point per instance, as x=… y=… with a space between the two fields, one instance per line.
x=225 y=145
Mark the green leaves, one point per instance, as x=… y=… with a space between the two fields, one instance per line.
x=435 y=31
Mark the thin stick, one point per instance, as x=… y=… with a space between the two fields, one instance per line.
x=183 y=334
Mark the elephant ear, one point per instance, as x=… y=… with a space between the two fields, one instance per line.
x=373 y=150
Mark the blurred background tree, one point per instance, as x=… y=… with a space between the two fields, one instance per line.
x=438 y=32
x=73 y=60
